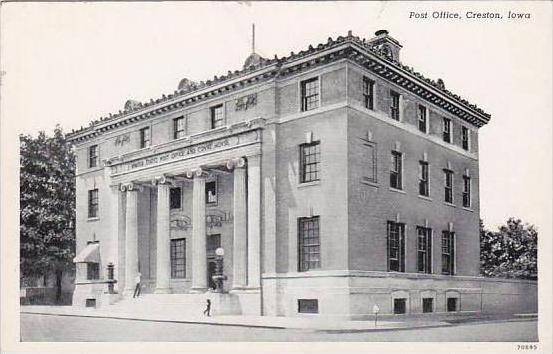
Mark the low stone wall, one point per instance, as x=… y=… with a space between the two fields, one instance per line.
x=96 y=291
x=509 y=296
x=352 y=294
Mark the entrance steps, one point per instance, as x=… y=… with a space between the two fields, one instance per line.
x=191 y=305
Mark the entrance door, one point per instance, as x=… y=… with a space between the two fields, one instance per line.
x=211 y=266
x=213 y=242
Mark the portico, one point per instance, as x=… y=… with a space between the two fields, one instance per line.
x=240 y=166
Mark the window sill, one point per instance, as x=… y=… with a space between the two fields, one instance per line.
x=450 y=205
x=369 y=183
x=425 y=198
x=94 y=169
x=309 y=184
x=303 y=110
x=397 y=190
x=468 y=209
x=96 y=218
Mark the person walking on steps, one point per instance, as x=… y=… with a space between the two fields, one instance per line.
x=137 y=288
x=207 y=308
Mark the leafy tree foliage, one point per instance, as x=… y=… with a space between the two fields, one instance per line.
x=47 y=206
x=510 y=252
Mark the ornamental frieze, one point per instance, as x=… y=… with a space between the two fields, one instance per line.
x=245 y=102
x=214 y=218
x=180 y=221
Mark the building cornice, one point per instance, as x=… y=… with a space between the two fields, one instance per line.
x=349 y=47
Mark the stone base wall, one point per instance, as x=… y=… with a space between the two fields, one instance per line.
x=96 y=291
x=353 y=294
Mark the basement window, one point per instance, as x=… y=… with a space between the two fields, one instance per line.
x=451 y=304
x=427 y=305
x=400 y=306
x=308 y=306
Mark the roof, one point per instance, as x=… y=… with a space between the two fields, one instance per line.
x=258 y=69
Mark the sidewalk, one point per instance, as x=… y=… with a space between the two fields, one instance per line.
x=313 y=323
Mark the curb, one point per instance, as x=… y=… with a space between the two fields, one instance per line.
x=155 y=320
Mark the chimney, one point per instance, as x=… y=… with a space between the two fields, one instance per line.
x=385 y=44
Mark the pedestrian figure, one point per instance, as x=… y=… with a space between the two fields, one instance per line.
x=137 y=288
x=207 y=308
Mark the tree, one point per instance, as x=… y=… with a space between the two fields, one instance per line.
x=510 y=252
x=47 y=206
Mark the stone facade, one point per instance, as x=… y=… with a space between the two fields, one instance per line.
x=253 y=156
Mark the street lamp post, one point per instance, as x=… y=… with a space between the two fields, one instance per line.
x=219 y=277
x=111 y=281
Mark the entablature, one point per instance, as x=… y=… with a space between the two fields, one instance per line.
x=225 y=138
x=349 y=47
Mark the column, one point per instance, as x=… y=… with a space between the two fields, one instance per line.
x=240 y=241
x=131 y=236
x=163 y=251
x=113 y=245
x=254 y=221
x=199 y=256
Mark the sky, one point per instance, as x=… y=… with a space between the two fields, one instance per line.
x=70 y=63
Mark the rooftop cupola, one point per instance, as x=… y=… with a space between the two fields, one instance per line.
x=386 y=44
x=253 y=59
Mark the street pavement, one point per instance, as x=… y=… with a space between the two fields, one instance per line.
x=38 y=327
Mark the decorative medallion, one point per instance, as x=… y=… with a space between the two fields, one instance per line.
x=245 y=102
x=180 y=221
x=216 y=218
x=122 y=139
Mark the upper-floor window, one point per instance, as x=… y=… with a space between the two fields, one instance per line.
x=396 y=246
x=394 y=105
x=217 y=116
x=93 y=203
x=175 y=198
x=310 y=160
x=465 y=138
x=211 y=192
x=448 y=186
x=179 y=128
x=145 y=137
x=422 y=118
x=369 y=157
x=310 y=94
x=423 y=178
x=448 y=252
x=396 y=170
x=93 y=156
x=466 y=192
x=368 y=92
x=447 y=130
x=309 y=245
x=424 y=249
